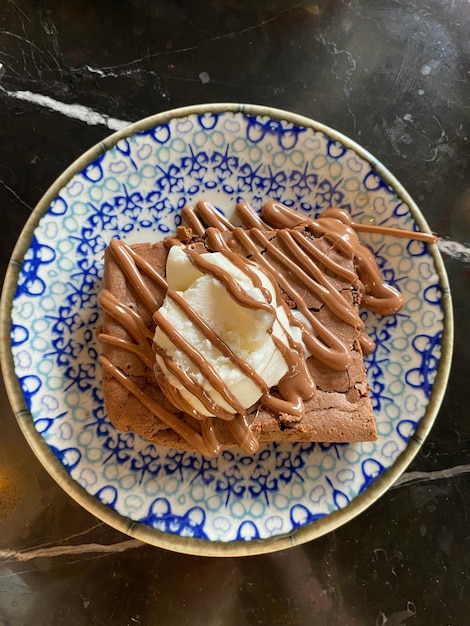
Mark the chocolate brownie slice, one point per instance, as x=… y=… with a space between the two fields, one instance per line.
x=340 y=410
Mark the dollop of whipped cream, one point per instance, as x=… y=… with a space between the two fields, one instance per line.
x=254 y=334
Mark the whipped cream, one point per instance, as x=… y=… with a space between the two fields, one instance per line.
x=251 y=333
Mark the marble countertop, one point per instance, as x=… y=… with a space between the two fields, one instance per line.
x=392 y=75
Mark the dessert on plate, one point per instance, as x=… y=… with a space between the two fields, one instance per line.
x=225 y=336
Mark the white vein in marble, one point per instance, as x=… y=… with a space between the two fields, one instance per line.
x=419 y=477
x=73 y=111
x=454 y=249
x=22 y=556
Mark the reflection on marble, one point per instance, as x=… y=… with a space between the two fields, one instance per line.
x=393 y=76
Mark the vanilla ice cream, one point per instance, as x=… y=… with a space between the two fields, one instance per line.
x=249 y=332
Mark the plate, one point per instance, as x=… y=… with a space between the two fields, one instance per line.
x=133 y=185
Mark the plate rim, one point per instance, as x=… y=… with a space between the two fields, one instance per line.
x=140 y=531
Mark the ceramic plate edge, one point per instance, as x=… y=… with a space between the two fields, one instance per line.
x=192 y=545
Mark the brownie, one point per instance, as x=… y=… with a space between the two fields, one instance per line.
x=340 y=410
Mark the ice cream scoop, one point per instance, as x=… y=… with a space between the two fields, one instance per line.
x=223 y=336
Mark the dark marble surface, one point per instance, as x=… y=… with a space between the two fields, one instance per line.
x=392 y=75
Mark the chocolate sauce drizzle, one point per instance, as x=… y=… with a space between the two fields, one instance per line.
x=298 y=254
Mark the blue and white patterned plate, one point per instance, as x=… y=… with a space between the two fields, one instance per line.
x=133 y=186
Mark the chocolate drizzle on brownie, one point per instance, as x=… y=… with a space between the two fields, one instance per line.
x=284 y=245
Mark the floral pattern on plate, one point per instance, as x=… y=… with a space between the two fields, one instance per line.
x=135 y=190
